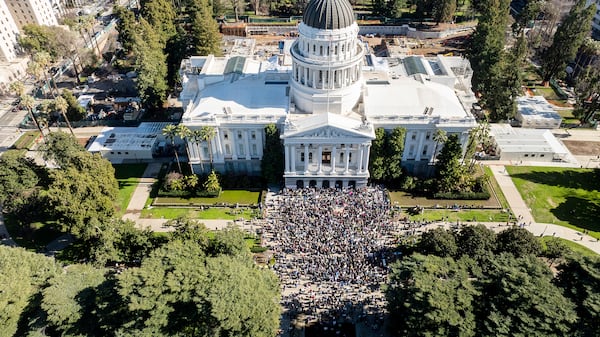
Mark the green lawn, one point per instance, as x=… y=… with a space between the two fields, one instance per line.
x=476 y=215
x=27 y=140
x=242 y=197
x=405 y=199
x=197 y=213
x=547 y=92
x=128 y=176
x=564 y=196
x=575 y=247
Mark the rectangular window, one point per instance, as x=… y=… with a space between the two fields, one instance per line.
x=326 y=158
x=254 y=150
x=413 y=136
x=253 y=135
x=424 y=150
x=225 y=135
x=428 y=135
x=302 y=157
x=239 y=134
x=241 y=149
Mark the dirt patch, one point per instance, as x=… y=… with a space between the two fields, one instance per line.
x=583 y=148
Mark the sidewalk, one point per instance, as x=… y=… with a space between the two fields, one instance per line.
x=518 y=206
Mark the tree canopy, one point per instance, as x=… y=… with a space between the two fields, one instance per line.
x=272 y=161
x=567 y=39
x=469 y=286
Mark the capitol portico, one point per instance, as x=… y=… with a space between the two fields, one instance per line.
x=327 y=94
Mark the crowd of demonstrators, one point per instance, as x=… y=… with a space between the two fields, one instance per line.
x=330 y=249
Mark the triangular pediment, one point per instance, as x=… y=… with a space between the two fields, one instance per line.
x=328 y=125
x=329 y=132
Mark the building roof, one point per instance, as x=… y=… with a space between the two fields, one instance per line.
x=536 y=107
x=328 y=14
x=522 y=140
x=239 y=89
x=404 y=99
x=138 y=138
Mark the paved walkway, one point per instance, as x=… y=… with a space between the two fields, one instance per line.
x=518 y=206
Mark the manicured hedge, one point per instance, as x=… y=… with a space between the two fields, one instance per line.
x=484 y=195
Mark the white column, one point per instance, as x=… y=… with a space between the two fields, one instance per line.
x=220 y=153
x=420 y=146
x=366 y=161
x=360 y=157
x=287 y=158
x=261 y=141
x=233 y=136
x=333 y=154
x=247 y=144
x=305 y=159
x=293 y=157
x=320 y=158
x=347 y=159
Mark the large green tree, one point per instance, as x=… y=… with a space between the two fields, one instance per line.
x=161 y=15
x=580 y=280
x=126 y=27
x=486 y=45
x=273 y=157
x=519 y=299
x=450 y=172
x=151 y=65
x=70 y=302
x=431 y=296
x=23 y=276
x=567 y=39
x=377 y=155
x=205 y=31
x=588 y=93
x=180 y=290
x=393 y=153
x=19 y=176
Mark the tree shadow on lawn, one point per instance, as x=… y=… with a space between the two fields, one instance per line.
x=579 y=212
x=586 y=180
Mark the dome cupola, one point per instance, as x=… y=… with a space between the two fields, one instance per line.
x=328 y=14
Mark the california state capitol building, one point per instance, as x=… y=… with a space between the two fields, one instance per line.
x=326 y=93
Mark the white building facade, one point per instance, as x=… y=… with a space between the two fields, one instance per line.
x=8 y=34
x=327 y=102
x=38 y=12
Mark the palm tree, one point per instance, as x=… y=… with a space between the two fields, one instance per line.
x=35 y=69
x=196 y=138
x=208 y=133
x=17 y=87
x=170 y=131
x=87 y=23
x=44 y=60
x=440 y=136
x=184 y=133
x=61 y=105
x=28 y=102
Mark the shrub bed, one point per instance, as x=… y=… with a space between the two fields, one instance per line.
x=484 y=195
